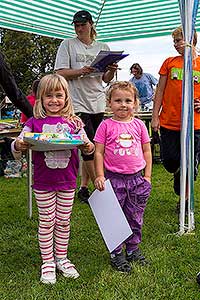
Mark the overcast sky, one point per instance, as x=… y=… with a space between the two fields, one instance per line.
x=149 y=53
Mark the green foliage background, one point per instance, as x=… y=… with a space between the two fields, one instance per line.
x=29 y=55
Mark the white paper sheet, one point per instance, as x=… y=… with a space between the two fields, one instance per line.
x=109 y=216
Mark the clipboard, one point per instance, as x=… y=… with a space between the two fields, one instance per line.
x=105 y=58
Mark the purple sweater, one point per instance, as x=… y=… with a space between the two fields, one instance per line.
x=54 y=170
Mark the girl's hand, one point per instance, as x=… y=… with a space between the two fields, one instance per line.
x=87 y=148
x=77 y=122
x=99 y=183
x=147 y=178
x=20 y=145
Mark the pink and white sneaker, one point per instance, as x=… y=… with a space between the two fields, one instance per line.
x=48 y=273
x=67 y=268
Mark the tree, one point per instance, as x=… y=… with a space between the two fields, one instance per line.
x=30 y=56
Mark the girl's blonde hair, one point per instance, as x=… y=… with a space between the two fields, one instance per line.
x=48 y=84
x=126 y=86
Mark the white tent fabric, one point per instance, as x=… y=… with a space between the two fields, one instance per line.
x=115 y=19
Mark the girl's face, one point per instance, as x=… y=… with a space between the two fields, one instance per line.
x=54 y=102
x=122 y=104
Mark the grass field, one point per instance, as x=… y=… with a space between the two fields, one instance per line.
x=174 y=260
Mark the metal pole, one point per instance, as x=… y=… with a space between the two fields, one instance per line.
x=30 y=183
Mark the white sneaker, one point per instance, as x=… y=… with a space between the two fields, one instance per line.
x=67 y=268
x=48 y=273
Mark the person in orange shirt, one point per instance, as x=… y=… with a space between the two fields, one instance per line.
x=166 y=115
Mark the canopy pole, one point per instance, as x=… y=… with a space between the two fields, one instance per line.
x=188 y=11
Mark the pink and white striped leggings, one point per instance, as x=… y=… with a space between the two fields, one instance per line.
x=54 y=223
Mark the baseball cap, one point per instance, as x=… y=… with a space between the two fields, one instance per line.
x=82 y=16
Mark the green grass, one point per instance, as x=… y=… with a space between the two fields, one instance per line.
x=174 y=260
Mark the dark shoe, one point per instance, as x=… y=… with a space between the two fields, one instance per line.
x=83 y=194
x=120 y=263
x=137 y=257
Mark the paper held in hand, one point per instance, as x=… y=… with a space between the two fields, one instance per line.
x=105 y=58
x=109 y=216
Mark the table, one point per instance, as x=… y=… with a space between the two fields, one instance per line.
x=12 y=133
x=146 y=116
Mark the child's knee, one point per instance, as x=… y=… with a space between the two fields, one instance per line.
x=47 y=223
x=62 y=223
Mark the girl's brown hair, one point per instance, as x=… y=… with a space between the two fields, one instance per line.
x=48 y=84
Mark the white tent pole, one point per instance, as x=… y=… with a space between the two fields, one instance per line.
x=188 y=11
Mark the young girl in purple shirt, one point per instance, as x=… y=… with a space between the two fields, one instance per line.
x=55 y=174
x=123 y=151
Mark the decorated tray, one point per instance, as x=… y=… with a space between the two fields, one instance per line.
x=53 y=141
